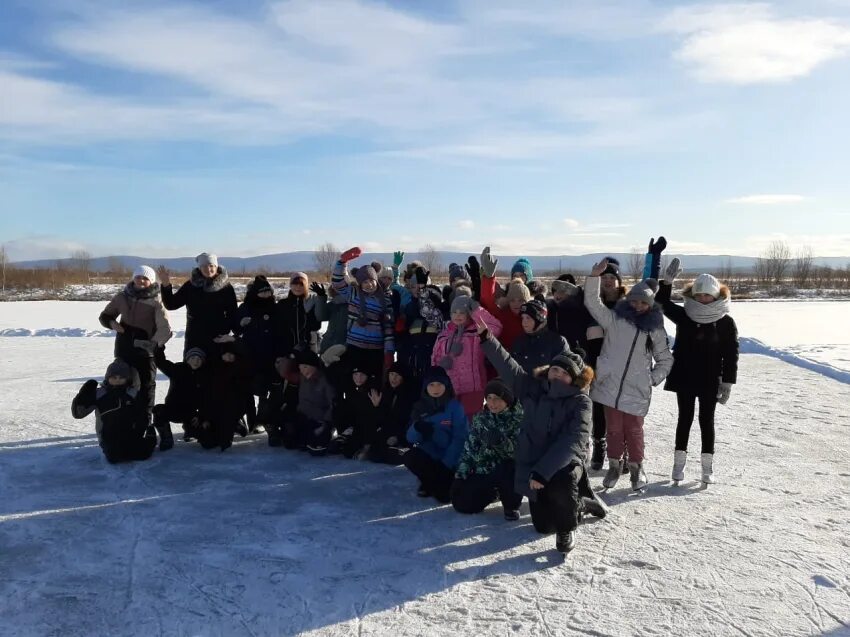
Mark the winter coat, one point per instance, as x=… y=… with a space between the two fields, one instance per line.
x=259 y=335
x=281 y=404
x=556 y=422
x=423 y=321
x=570 y=319
x=210 y=307
x=143 y=317
x=229 y=386
x=511 y=323
x=394 y=410
x=298 y=321
x=491 y=441
x=704 y=354
x=635 y=356
x=316 y=398
x=187 y=387
x=538 y=348
x=355 y=409
x=450 y=431
x=337 y=330
x=375 y=329
x=466 y=369
x=120 y=420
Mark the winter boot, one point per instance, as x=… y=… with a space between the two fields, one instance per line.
x=594 y=506
x=275 y=437
x=565 y=541
x=637 y=475
x=679 y=458
x=625 y=464
x=511 y=515
x=166 y=438
x=600 y=446
x=708 y=468
x=613 y=474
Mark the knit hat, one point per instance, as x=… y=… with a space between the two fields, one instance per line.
x=118 y=368
x=205 y=258
x=299 y=275
x=564 y=287
x=308 y=357
x=260 y=284
x=517 y=290
x=537 y=289
x=456 y=272
x=536 y=310
x=500 y=389
x=613 y=267
x=463 y=303
x=522 y=266
x=570 y=362
x=706 y=284
x=386 y=273
x=410 y=268
x=569 y=278
x=377 y=265
x=194 y=351
x=643 y=291
x=366 y=273
x=421 y=275
x=145 y=271
x=401 y=369
x=436 y=375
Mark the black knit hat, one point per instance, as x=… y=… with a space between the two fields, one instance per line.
x=536 y=310
x=118 y=368
x=498 y=388
x=436 y=374
x=260 y=284
x=308 y=357
x=569 y=362
x=613 y=267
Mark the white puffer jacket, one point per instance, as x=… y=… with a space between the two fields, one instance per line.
x=635 y=357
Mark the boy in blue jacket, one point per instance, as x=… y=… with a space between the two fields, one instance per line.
x=437 y=435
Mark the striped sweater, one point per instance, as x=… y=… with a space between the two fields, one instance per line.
x=377 y=333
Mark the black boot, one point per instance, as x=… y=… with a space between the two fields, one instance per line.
x=275 y=438
x=600 y=447
x=565 y=541
x=163 y=428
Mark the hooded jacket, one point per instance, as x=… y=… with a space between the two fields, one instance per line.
x=491 y=441
x=187 y=387
x=298 y=319
x=259 y=335
x=450 y=426
x=467 y=371
x=511 y=323
x=635 y=356
x=538 y=348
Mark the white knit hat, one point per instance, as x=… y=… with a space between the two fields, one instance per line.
x=205 y=258
x=707 y=284
x=145 y=271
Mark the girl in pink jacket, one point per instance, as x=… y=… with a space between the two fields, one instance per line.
x=458 y=351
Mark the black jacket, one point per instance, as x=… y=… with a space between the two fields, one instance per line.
x=295 y=321
x=538 y=349
x=570 y=319
x=260 y=335
x=210 y=308
x=187 y=388
x=229 y=386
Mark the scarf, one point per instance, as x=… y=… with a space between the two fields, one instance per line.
x=454 y=348
x=708 y=312
x=150 y=292
x=646 y=322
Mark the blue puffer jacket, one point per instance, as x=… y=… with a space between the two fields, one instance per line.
x=450 y=424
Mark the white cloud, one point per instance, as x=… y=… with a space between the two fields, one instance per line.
x=767 y=200
x=571 y=223
x=749 y=44
x=466 y=224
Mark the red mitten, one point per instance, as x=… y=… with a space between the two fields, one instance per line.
x=351 y=253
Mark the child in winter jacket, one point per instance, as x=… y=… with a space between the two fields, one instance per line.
x=141 y=329
x=705 y=360
x=282 y=403
x=458 y=351
x=120 y=417
x=311 y=426
x=423 y=322
x=369 y=339
x=506 y=310
x=188 y=388
x=552 y=441
x=634 y=359
x=437 y=434
x=354 y=415
x=387 y=441
x=300 y=314
x=485 y=472
x=537 y=345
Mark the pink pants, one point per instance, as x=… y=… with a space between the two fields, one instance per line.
x=624 y=431
x=472 y=403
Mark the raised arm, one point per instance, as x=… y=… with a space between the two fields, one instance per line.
x=601 y=314
x=175 y=300
x=672 y=311
x=508 y=369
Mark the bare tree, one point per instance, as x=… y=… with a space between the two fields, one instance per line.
x=325 y=257
x=635 y=264
x=803 y=263
x=430 y=257
x=81 y=261
x=777 y=258
x=4 y=259
x=725 y=272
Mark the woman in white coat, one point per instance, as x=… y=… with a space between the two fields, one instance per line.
x=635 y=358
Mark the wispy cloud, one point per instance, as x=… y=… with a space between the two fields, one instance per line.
x=466 y=224
x=750 y=44
x=767 y=200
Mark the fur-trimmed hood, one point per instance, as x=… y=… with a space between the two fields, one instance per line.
x=648 y=321
x=215 y=284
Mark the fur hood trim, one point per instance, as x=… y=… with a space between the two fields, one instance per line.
x=215 y=284
x=649 y=321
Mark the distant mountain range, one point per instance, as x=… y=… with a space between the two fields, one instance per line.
x=301 y=261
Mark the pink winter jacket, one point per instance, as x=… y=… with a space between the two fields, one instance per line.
x=466 y=371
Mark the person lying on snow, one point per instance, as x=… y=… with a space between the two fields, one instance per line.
x=553 y=438
x=120 y=416
x=187 y=390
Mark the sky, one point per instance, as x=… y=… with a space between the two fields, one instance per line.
x=239 y=127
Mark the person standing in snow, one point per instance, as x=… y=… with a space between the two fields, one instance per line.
x=552 y=442
x=209 y=299
x=141 y=327
x=705 y=360
x=423 y=322
x=299 y=315
x=634 y=359
x=537 y=345
x=188 y=387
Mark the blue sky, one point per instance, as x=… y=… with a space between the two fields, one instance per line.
x=240 y=127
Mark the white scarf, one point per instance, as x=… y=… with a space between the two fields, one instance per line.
x=704 y=313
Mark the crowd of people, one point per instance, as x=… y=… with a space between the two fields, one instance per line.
x=485 y=390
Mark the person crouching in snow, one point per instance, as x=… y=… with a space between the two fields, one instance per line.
x=486 y=469
x=120 y=418
x=282 y=403
x=369 y=340
x=437 y=436
x=142 y=328
x=354 y=415
x=188 y=387
x=552 y=442
x=705 y=360
x=537 y=345
x=506 y=309
x=311 y=426
x=458 y=351
x=387 y=441
x=634 y=359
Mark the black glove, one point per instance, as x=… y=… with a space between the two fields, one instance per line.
x=491 y=438
x=473 y=268
x=425 y=428
x=657 y=247
x=318 y=288
x=88 y=392
x=421 y=275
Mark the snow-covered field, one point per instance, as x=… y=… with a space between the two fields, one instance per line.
x=261 y=541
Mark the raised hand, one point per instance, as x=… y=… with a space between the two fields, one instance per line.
x=375 y=397
x=350 y=254
x=318 y=289
x=488 y=263
x=657 y=247
x=674 y=269
x=163 y=275
x=398 y=259
x=473 y=268
x=599 y=268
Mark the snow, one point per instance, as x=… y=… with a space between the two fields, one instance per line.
x=261 y=541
